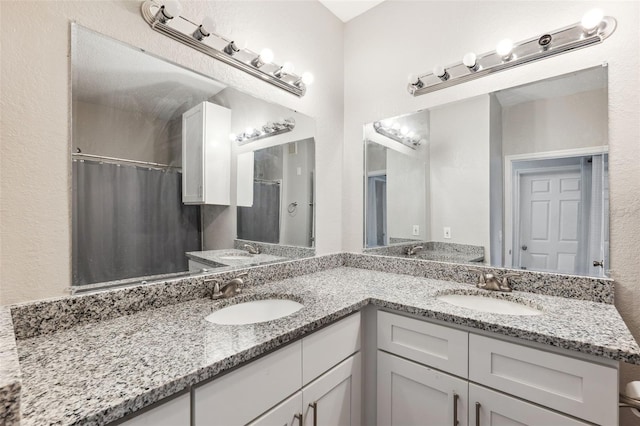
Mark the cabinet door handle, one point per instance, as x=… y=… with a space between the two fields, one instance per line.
x=477 y=414
x=455 y=409
x=299 y=418
x=314 y=405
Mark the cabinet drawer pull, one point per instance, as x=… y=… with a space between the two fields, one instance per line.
x=455 y=409
x=477 y=414
x=314 y=405
x=299 y=418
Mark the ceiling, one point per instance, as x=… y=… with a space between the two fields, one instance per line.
x=346 y=10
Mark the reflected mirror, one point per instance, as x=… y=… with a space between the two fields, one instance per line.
x=516 y=178
x=176 y=173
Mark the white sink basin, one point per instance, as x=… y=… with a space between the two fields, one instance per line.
x=489 y=304
x=254 y=312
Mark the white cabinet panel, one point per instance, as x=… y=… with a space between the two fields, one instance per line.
x=287 y=413
x=441 y=347
x=327 y=347
x=206 y=155
x=175 y=412
x=334 y=398
x=580 y=388
x=242 y=395
x=412 y=394
x=496 y=409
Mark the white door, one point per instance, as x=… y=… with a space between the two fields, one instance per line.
x=334 y=399
x=489 y=408
x=550 y=220
x=412 y=394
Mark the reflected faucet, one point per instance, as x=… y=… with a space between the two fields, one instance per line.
x=228 y=289
x=252 y=249
x=411 y=251
x=489 y=281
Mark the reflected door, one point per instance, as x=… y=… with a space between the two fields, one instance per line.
x=550 y=218
x=377 y=211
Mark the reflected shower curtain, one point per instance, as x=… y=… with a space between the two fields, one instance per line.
x=129 y=222
x=261 y=222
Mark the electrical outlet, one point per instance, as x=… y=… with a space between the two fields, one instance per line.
x=447 y=232
x=416 y=230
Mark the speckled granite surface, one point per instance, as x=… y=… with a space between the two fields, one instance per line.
x=241 y=258
x=432 y=250
x=572 y=286
x=10 y=384
x=98 y=372
x=292 y=252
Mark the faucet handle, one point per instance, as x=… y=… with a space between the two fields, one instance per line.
x=482 y=282
x=505 y=281
x=216 y=285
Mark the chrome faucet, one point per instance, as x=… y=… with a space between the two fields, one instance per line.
x=489 y=281
x=228 y=289
x=252 y=249
x=411 y=251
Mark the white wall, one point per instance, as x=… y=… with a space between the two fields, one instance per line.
x=35 y=169
x=459 y=172
x=397 y=38
x=566 y=122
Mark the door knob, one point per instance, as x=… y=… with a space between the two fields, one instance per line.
x=524 y=247
x=598 y=263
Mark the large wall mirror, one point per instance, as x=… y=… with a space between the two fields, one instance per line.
x=516 y=178
x=175 y=173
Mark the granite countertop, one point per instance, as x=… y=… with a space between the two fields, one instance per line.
x=232 y=257
x=98 y=372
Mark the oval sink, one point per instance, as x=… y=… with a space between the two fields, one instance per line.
x=254 y=312
x=234 y=256
x=489 y=304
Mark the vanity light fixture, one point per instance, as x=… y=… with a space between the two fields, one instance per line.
x=594 y=28
x=164 y=17
x=398 y=133
x=251 y=134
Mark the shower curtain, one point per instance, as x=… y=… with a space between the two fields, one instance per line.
x=261 y=222
x=129 y=222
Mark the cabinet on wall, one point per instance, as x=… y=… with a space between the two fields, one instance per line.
x=433 y=385
x=206 y=155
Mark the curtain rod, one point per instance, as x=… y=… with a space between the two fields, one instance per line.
x=115 y=160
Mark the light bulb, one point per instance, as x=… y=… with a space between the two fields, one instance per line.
x=592 y=19
x=249 y=131
x=204 y=30
x=266 y=56
x=411 y=135
x=470 y=60
x=172 y=9
x=233 y=136
x=440 y=72
x=404 y=130
x=504 y=48
x=386 y=123
x=396 y=126
x=307 y=78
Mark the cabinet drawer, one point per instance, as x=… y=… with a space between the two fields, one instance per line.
x=282 y=414
x=327 y=347
x=580 y=388
x=440 y=347
x=499 y=409
x=176 y=411
x=244 y=394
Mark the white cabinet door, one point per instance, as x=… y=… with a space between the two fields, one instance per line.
x=287 y=413
x=334 y=398
x=175 y=412
x=412 y=394
x=206 y=155
x=490 y=408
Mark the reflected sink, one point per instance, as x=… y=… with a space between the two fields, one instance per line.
x=234 y=256
x=254 y=312
x=489 y=304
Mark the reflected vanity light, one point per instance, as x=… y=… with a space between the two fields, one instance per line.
x=398 y=133
x=594 y=28
x=251 y=134
x=164 y=17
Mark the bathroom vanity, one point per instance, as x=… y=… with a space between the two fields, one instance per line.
x=359 y=330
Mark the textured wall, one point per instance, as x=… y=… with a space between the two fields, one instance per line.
x=415 y=36
x=35 y=251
